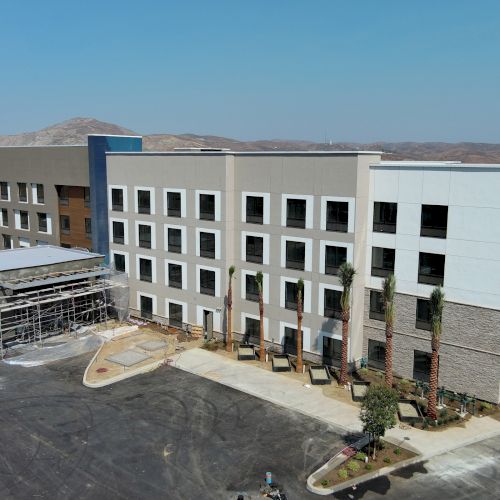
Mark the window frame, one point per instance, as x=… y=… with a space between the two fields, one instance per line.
x=376 y=297
x=296 y=222
x=384 y=213
x=333 y=269
x=382 y=272
x=204 y=290
x=430 y=278
x=336 y=225
x=433 y=231
x=252 y=257
x=420 y=322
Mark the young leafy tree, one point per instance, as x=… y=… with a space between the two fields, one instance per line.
x=346 y=276
x=389 y=288
x=259 y=278
x=229 y=338
x=300 y=288
x=378 y=412
x=436 y=306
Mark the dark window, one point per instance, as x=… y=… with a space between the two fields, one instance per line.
x=174 y=240
x=146 y=307
x=207 y=245
x=144 y=236
x=5 y=217
x=384 y=217
x=42 y=223
x=290 y=341
x=332 y=351
x=4 y=191
x=7 y=241
x=40 y=195
x=337 y=216
x=207 y=282
x=421 y=365
x=65 y=245
x=376 y=354
x=175 y=314
x=143 y=201
x=207 y=206
x=64 y=196
x=383 y=261
x=255 y=249
x=423 y=314
x=86 y=196
x=295 y=255
x=431 y=268
x=252 y=290
x=120 y=262
x=117 y=199
x=118 y=232
x=145 y=270
x=88 y=228
x=23 y=191
x=291 y=296
x=333 y=307
x=24 y=219
x=296 y=213
x=334 y=258
x=377 y=310
x=434 y=221
x=255 y=209
x=175 y=275
x=173 y=204
x=252 y=330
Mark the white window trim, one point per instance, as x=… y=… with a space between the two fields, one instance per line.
x=307 y=293
x=216 y=317
x=265 y=294
x=24 y=242
x=217 y=241
x=330 y=335
x=308 y=252
x=217 y=195
x=306 y=335
x=183 y=237
x=351 y=211
x=244 y=316
x=126 y=255
x=28 y=184
x=178 y=302
x=152 y=225
x=183 y=200
x=9 y=197
x=34 y=193
x=151 y=199
x=322 y=252
x=321 y=297
x=49 y=223
x=2 y=222
x=17 y=220
x=151 y=296
x=138 y=270
x=266 y=219
x=265 y=245
x=125 y=229
x=125 y=196
x=183 y=270
x=309 y=198
x=217 y=279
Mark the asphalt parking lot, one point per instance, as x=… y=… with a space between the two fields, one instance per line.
x=167 y=434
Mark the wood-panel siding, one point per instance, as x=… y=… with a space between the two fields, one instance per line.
x=77 y=212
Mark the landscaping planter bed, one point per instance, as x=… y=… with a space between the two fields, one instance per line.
x=409 y=411
x=358 y=390
x=319 y=375
x=281 y=363
x=246 y=352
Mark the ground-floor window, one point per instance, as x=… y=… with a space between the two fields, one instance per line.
x=120 y=262
x=146 y=307
x=175 y=314
x=252 y=331
x=332 y=351
x=376 y=354
x=290 y=341
x=421 y=365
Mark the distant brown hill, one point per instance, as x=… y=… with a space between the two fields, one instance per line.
x=74 y=131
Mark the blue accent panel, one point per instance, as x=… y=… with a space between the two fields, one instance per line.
x=98 y=145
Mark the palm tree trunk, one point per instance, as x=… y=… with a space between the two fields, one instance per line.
x=388 y=354
x=345 y=340
x=229 y=338
x=262 y=350
x=433 y=380
x=299 y=338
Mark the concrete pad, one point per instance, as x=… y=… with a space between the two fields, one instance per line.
x=153 y=345
x=128 y=358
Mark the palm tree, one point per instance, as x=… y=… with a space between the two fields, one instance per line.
x=346 y=276
x=229 y=338
x=300 y=288
x=259 y=278
x=436 y=306
x=389 y=288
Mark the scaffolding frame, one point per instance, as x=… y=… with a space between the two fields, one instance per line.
x=33 y=315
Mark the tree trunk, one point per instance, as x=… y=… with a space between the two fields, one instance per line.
x=388 y=354
x=374 y=447
x=345 y=340
x=229 y=338
x=262 y=350
x=299 y=337
x=433 y=380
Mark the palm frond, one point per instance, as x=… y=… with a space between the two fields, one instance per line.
x=436 y=306
x=232 y=270
x=388 y=290
x=259 y=278
x=346 y=274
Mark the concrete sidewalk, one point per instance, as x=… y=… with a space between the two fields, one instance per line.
x=312 y=402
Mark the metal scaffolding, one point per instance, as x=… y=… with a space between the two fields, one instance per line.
x=60 y=304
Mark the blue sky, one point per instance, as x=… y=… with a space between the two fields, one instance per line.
x=358 y=70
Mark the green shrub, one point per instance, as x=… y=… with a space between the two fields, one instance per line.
x=443 y=412
x=353 y=466
x=456 y=416
x=360 y=456
x=397 y=451
x=440 y=421
x=381 y=444
x=369 y=466
x=380 y=374
x=343 y=474
x=485 y=406
x=325 y=483
x=363 y=371
x=387 y=460
x=425 y=424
